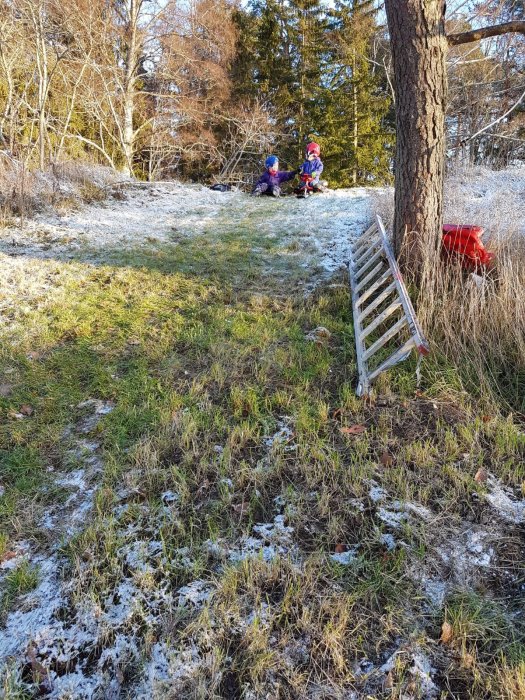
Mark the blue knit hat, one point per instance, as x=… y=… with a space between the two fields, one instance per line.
x=271 y=161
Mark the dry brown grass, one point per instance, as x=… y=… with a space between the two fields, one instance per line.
x=62 y=186
x=479 y=326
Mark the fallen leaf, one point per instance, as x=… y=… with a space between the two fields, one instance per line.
x=203 y=487
x=486 y=419
x=27 y=410
x=339 y=548
x=241 y=508
x=7 y=556
x=388 y=683
x=353 y=429
x=337 y=412
x=39 y=672
x=34 y=355
x=386 y=459
x=469 y=661
x=446 y=633
x=481 y=476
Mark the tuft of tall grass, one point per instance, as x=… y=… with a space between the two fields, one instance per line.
x=25 y=191
x=477 y=326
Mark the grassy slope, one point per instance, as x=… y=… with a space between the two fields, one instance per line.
x=201 y=348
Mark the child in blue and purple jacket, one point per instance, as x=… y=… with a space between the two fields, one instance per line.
x=270 y=181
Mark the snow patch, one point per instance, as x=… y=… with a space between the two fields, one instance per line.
x=283 y=436
x=345 y=558
x=166 y=213
x=502 y=500
x=270 y=541
x=419 y=668
x=388 y=540
x=196 y=593
x=376 y=493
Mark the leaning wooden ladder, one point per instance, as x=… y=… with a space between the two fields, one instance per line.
x=380 y=299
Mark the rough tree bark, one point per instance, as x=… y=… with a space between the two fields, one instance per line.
x=419 y=47
x=419 y=51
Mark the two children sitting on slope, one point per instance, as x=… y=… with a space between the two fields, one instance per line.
x=271 y=180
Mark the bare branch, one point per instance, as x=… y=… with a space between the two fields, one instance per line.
x=496 y=121
x=486 y=32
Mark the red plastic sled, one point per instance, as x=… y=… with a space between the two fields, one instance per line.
x=463 y=243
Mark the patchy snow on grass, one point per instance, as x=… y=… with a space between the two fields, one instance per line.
x=504 y=502
x=169 y=671
x=345 y=558
x=376 y=493
x=493 y=199
x=418 y=666
x=196 y=593
x=471 y=548
x=165 y=213
x=35 y=615
x=393 y=512
x=456 y=554
x=36 y=609
x=282 y=436
x=270 y=540
x=88 y=645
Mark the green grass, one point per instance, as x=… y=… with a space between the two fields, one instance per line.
x=20 y=580
x=201 y=348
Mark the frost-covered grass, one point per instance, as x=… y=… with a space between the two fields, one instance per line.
x=62 y=187
x=179 y=484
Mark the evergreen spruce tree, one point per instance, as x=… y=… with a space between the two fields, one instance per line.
x=311 y=55
x=356 y=137
x=244 y=67
x=312 y=68
x=280 y=63
x=274 y=49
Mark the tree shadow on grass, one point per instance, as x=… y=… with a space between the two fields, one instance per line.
x=243 y=261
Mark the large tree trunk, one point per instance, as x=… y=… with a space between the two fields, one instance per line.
x=419 y=47
x=354 y=109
